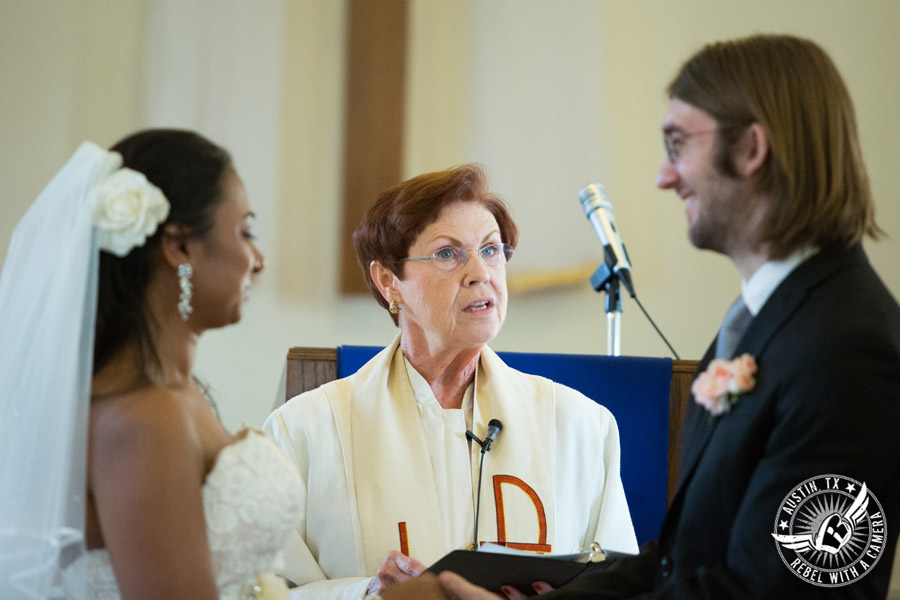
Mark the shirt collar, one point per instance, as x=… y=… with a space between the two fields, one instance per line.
x=425 y=396
x=756 y=290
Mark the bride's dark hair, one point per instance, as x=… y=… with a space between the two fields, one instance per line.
x=188 y=169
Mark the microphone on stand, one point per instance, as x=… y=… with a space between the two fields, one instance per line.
x=494 y=429
x=617 y=267
x=599 y=211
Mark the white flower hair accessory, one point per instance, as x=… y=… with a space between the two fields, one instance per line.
x=127 y=209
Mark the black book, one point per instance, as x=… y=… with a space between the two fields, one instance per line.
x=492 y=570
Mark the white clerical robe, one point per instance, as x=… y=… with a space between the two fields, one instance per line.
x=386 y=468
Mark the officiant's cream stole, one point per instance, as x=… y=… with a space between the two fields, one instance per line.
x=391 y=467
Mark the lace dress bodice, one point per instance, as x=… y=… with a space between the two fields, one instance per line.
x=251 y=504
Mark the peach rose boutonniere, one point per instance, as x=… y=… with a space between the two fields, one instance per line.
x=718 y=387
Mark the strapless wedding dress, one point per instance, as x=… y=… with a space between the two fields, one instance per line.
x=251 y=504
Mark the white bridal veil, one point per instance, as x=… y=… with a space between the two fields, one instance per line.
x=48 y=299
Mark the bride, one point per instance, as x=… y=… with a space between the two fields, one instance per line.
x=117 y=478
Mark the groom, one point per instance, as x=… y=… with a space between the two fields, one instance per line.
x=790 y=486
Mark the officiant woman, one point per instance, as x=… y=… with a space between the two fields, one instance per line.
x=391 y=479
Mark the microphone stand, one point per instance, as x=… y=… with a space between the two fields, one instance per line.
x=604 y=278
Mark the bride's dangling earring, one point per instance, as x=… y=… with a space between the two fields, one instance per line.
x=185 y=272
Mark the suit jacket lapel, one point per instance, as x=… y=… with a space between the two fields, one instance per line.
x=696 y=428
x=786 y=300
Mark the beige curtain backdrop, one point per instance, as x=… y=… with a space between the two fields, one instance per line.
x=215 y=66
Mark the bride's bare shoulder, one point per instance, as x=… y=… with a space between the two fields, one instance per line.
x=150 y=419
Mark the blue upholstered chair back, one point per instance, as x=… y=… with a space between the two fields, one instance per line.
x=635 y=390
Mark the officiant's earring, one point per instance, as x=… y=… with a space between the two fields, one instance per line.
x=185 y=272
x=395 y=307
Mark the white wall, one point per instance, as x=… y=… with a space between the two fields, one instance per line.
x=69 y=72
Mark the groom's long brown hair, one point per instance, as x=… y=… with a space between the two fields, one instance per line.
x=814 y=175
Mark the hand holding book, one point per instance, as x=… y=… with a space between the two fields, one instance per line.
x=493 y=566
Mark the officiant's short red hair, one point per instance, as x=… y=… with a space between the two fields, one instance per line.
x=399 y=214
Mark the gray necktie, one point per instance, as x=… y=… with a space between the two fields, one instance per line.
x=737 y=319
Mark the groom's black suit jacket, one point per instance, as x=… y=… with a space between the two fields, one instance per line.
x=826 y=401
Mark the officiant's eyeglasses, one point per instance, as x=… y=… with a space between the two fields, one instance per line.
x=451 y=257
